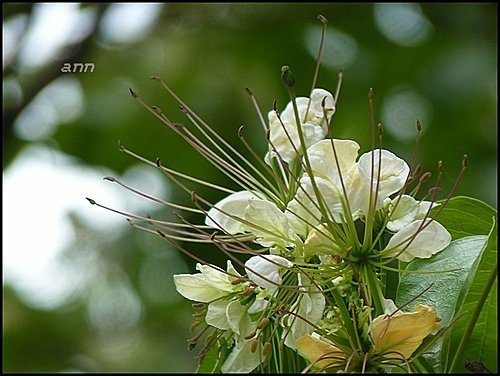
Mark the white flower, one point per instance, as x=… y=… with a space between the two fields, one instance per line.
x=309 y=305
x=334 y=172
x=245 y=212
x=389 y=174
x=209 y=285
x=265 y=270
x=234 y=205
x=427 y=242
x=314 y=125
x=405 y=210
x=329 y=175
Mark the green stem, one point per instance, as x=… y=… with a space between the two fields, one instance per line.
x=375 y=289
x=472 y=322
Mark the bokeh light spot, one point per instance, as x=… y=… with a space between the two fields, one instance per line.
x=403 y=24
x=400 y=111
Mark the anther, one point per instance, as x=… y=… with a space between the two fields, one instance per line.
x=183 y=109
x=133 y=93
x=212 y=237
x=154 y=78
x=426 y=176
x=90 y=200
x=120 y=145
x=198 y=305
x=433 y=190
x=263 y=323
x=237 y=281
x=253 y=346
x=266 y=348
x=249 y=92
x=194 y=326
x=380 y=129
x=418 y=171
x=240 y=131
x=419 y=126
x=109 y=178
x=247 y=291
x=371 y=95
x=158 y=162
x=440 y=166
x=465 y=161
x=161 y=233
x=250 y=336
x=323 y=19
x=287 y=77
x=275 y=106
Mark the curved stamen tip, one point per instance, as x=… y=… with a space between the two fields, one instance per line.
x=287 y=77
x=465 y=161
x=157 y=109
x=240 y=130
x=440 y=166
x=158 y=162
x=183 y=109
x=155 y=78
x=120 y=145
x=371 y=94
x=249 y=92
x=418 y=170
x=194 y=198
x=109 y=178
x=91 y=201
x=380 y=129
x=426 y=176
x=274 y=105
x=161 y=233
x=134 y=94
x=323 y=19
x=419 y=126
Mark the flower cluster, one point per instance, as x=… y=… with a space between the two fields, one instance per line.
x=320 y=241
x=314 y=231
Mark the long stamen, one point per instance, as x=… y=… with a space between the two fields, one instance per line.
x=238 y=166
x=257 y=109
x=152 y=198
x=175 y=173
x=318 y=60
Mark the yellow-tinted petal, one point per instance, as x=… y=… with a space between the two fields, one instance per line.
x=404 y=331
x=314 y=349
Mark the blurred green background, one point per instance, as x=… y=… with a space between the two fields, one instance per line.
x=83 y=291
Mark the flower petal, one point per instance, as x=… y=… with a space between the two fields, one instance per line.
x=271 y=224
x=195 y=287
x=269 y=266
x=403 y=332
x=405 y=212
x=235 y=205
x=216 y=314
x=429 y=241
x=320 y=353
x=215 y=277
x=393 y=172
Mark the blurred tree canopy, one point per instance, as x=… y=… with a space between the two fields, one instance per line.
x=431 y=62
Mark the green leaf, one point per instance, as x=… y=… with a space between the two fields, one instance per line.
x=478 y=328
x=459 y=256
x=213 y=359
x=465 y=216
x=446 y=273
